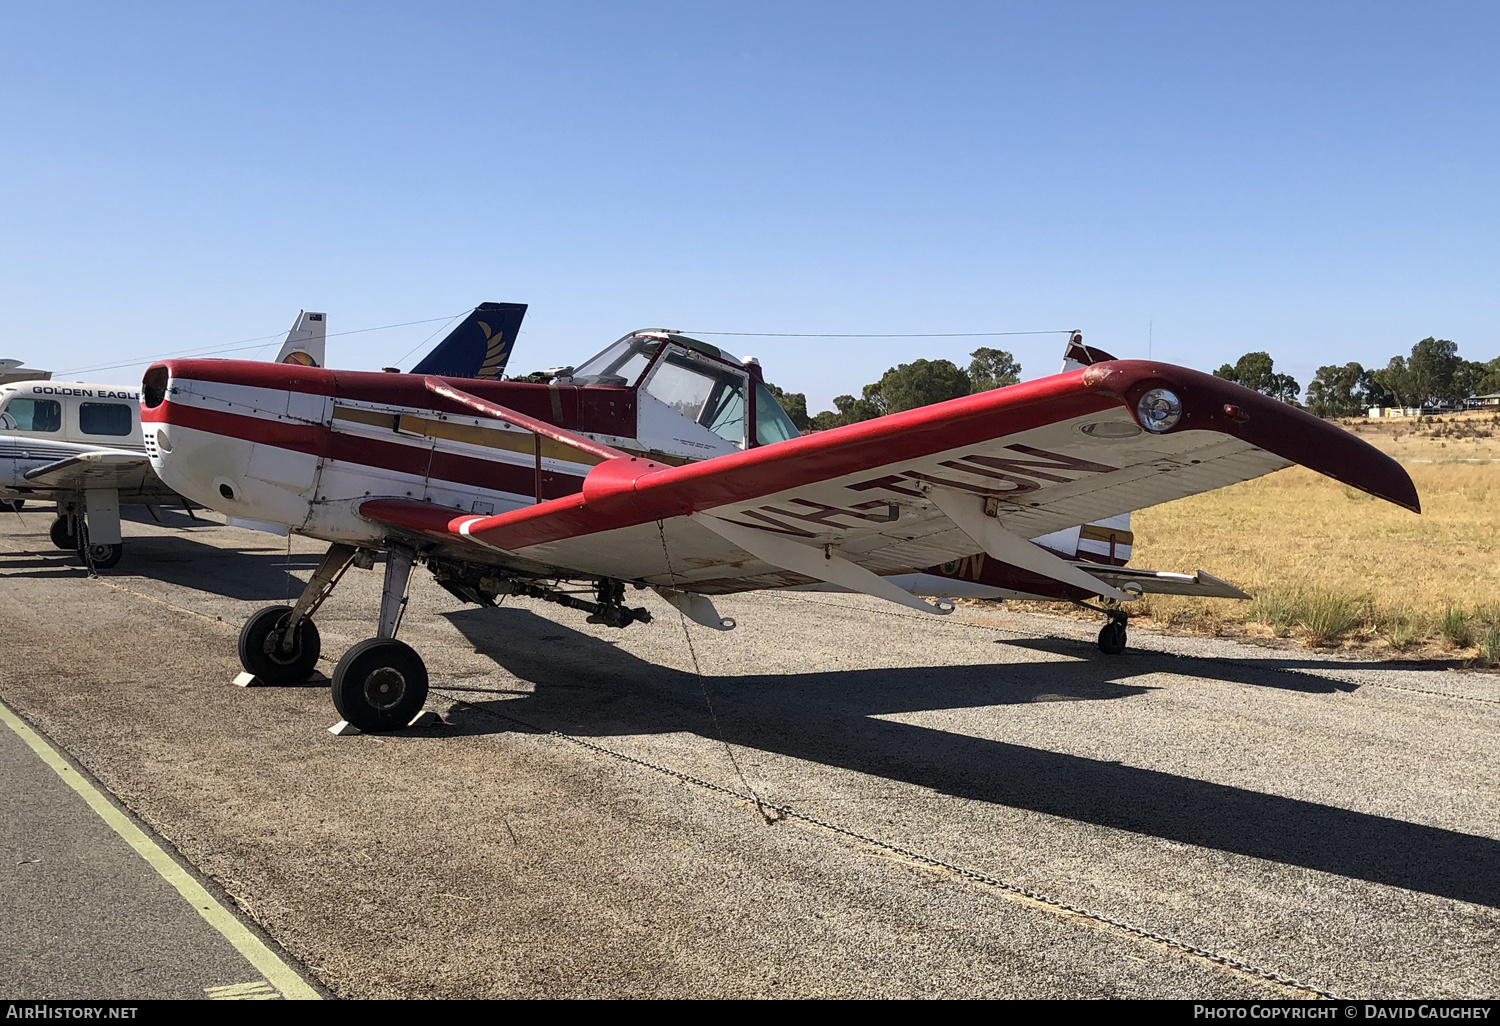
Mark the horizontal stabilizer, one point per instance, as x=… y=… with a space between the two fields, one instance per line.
x=1159 y=582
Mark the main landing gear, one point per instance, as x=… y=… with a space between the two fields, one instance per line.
x=70 y=533
x=380 y=684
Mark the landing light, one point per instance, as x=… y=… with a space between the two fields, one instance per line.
x=1159 y=410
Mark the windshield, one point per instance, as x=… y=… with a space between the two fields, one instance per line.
x=620 y=364
x=623 y=362
x=34 y=415
x=771 y=422
x=709 y=395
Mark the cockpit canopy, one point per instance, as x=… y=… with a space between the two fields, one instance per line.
x=698 y=380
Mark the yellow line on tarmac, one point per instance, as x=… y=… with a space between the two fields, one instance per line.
x=280 y=975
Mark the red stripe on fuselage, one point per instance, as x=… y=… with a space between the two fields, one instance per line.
x=418 y=461
x=594 y=409
x=293 y=435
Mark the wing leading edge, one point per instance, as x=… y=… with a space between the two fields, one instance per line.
x=911 y=490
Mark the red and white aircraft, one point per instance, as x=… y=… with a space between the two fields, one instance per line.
x=664 y=462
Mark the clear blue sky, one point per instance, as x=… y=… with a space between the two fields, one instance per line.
x=1314 y=179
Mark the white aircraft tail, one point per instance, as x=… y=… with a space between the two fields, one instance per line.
x=304 y=343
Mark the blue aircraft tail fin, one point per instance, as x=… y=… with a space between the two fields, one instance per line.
x=480 y=346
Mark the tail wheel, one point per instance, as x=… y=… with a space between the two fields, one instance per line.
x=1112 y=638
x=380 y=684
x=63 y=534
x=263 y=652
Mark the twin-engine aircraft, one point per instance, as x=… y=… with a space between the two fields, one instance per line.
x=664 y=462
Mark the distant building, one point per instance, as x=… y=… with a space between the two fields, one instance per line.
x=1493 y=399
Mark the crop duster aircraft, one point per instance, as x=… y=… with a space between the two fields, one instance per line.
x=664 y=462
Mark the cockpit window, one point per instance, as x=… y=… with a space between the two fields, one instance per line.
x=709 y=395
x=771 y=422
x=620 y=364
x=623 y=362
x=35 y=414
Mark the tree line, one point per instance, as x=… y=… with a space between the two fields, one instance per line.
x=906 y=387
x=1433 y=375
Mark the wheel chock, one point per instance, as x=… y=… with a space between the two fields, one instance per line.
x=246 y=680
x=425 y=718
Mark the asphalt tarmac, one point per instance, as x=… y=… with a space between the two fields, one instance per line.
x=980 y=805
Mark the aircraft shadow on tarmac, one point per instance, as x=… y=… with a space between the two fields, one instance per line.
x=260 y=574
x=587 y=686
x=1280 y=671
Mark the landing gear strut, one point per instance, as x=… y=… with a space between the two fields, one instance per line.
x=380 y=684
x=280 y=644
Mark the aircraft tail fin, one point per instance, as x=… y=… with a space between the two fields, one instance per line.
x=304 y=343
x=480 y=346
x=1078 y=355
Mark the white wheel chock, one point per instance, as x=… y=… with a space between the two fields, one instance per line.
x=425 y=718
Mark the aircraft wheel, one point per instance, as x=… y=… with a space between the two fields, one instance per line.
x=1112 y=638
x=380 y=684
x=63 y=534
x=104 y=557
x=261 y=652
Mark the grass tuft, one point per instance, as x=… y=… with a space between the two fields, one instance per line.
x=1326 y=616
x=1457 y=627
x=1491 y=645
x=1401 y=628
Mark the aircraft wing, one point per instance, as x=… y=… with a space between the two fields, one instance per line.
x=910 y=490
x=129 y=472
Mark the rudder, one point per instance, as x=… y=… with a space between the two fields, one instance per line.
x=480 y=346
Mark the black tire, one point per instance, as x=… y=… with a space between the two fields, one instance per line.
x=380 y=684
x=63 y=534
x=1112 y=638
x=260 y=647
x=104 y=557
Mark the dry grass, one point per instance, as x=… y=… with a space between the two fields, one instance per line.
x=1329 y=565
